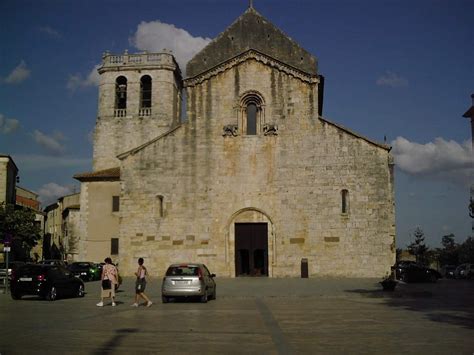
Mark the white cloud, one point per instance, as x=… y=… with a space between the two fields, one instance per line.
x=155 y=36
x=79 y=81
x=391 y=79
x=19 y=74
x=50 y=192
x=8 y=125
x=50 y=31
x=33 y=163
x=441 y=159
x=52 y=143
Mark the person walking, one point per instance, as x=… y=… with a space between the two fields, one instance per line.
x=140 y=284
x=109 y=279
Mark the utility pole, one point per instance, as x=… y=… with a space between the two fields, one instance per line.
x=470 y=114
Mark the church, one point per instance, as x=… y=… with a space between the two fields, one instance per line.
x=253 y=182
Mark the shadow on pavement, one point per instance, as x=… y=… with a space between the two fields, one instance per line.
x=447 y=301
x=115 y=341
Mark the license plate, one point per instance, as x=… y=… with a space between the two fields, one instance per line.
x=25 y=279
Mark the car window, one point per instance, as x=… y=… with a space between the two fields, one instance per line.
x=183 y=270
x=206 y=270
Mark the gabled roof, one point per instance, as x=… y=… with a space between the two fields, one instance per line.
x=252 y=31
x=112 y=174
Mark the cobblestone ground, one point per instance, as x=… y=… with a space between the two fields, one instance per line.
x=251 y=315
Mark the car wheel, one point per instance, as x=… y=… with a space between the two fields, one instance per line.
x=80 y=291
x=204 y=297
x=16 y=296
x=52 y=294
x=165 y=299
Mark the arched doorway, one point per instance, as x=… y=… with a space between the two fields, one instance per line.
x=251 y=243
x=251 y=249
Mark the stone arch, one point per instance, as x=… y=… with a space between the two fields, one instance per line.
x=251 y=100
x=250 y=215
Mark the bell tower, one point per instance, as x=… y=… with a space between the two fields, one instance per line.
x=139 y=99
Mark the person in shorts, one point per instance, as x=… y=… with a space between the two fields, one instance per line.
x=140 y=284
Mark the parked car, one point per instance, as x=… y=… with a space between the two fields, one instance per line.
x=12 y=267
x=418 y=273
x=188 y=280
x=57 y=262
x=47 y=281
x=448 y=271
x=85 y=270
x=402 y=265
x=464 y=271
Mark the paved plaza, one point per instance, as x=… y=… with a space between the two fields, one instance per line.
x=251 y=315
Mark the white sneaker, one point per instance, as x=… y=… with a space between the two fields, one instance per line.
x=149 y=303
x=100 y=304
x=135 y=305
x=113 y=304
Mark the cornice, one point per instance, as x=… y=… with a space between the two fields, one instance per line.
x=248 y=55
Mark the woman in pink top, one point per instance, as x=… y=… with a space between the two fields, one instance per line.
x=109 y=276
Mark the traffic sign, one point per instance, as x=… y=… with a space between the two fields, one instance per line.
x=6 y=249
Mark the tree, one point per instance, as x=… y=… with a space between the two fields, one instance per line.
x=448 y=255
x=418 y=247
x=21 y=226
x=466 y=251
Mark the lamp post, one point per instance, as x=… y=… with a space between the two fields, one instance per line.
x=470 y=114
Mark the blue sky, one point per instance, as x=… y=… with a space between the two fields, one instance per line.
x=400 y=69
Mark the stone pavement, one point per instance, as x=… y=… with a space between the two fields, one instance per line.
x=251 y=315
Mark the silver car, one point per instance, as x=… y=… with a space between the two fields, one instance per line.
x=188 y=280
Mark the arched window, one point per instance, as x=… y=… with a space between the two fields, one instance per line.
x=344 y=201
x=145 y=95
x=121 y=96
x=252 y=113
x=251 y=119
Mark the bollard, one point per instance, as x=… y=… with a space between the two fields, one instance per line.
x=304 y=268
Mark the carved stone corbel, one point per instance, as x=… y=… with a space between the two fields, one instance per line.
x=270 y=129
x=230 y=130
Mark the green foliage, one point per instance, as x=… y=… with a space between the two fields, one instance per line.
x=471 y=208
x=20 y=224
x=418 y=247
x=449 y=254
x=466 y=251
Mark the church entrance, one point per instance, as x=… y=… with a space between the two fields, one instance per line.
x=251 y=249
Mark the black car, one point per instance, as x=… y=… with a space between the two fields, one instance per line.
x=85 y=270
x=12 y=267
x=417 y=273
x=448 y=271
x=47 y=281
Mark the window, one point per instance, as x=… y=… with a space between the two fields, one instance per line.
x=159 y=206
x=252 y=108
x=115 y=203
x=145 y=92
x=251 y=119
x=114 y=246
x=344 y=201
x=121 y=96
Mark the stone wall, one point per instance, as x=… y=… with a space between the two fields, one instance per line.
x=98 y=223
x=182 y=194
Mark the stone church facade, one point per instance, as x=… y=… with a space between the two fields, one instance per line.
x=252 y=182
